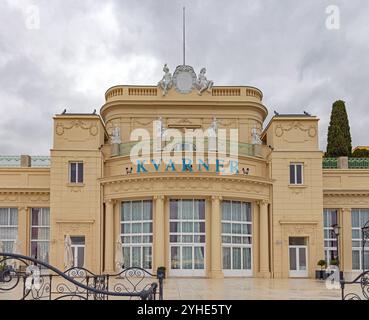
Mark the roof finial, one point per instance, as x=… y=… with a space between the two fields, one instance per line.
x=184 y=36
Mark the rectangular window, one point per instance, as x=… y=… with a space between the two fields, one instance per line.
x=8 y=228
x=358 y=219
x=137 y=233
x=40 y=233
x=330 y=218
x=236 y=238
x=296 y=173
x=78 y=249
x=76 y=172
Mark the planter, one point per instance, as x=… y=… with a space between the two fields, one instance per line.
x=320 y=274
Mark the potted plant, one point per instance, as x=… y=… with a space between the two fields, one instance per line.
x=320 y=274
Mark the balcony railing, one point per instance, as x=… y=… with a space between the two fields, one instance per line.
x=352 y=163
x=244 y=149
x=330 y=163
x=16 y=162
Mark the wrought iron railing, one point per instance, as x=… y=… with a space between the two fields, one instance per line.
x=26 y=278
x=359 y=288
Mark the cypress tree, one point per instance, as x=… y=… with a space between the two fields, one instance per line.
x=339 y=136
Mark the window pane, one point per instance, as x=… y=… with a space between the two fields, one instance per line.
x=73 y=172
x=126 y=228
x=136 y=257
x=126 y=211
x=175 y=257
x=227 y=258
x=236 y=211
x=174 y=209
x=226 y=228
x=299 y=173
x=226 y=211
x=355 y=219
x=292 y=174
x=186 y=257
x=80 y=172
x=293 y=261
x=136 y=228
x=199 y=257
x=147 y=227
x=187 y=209
x=356 y=260
x=127 y=257
x=201 y=204
x=147 y=257
x=236 y=258
x=4 y=214
x=147 y=210
x=247 y=258
x=136 y=210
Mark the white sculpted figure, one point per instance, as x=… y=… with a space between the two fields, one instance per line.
x=203 y=83
x=255 y=136
x=115 y=137
x=167 y=82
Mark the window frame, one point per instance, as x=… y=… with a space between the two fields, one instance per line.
x=142 y=245
x=242 y=271
x=39 y=226
x=295 y=176
x=330 y=239
x=358 y=248
x=9 y=225
x=76 y=163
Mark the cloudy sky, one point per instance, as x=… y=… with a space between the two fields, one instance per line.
x=66 y=53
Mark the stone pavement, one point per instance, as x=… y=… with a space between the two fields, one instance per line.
x=238 y=289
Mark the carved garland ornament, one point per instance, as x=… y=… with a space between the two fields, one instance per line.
x=279 y=130
x=60 y=127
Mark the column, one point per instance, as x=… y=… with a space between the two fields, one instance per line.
x=345 y=244
x=109 y=236
x=216 y=238
x=264 y=239
x=23 y=230
x=159 y=235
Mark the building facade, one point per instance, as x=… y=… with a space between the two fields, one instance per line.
x=273 y=218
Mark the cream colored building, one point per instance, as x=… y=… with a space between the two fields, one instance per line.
x=272 y=219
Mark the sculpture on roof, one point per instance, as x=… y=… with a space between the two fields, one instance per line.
x=166 y=82
x=203 y=83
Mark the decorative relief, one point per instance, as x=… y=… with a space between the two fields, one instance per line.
x=280 y=129
x=250 y=188
x=61 y=127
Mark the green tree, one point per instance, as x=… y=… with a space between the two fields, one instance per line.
x=361 y=153
x=339 y=137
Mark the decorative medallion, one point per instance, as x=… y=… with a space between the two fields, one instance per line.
x=184 y=79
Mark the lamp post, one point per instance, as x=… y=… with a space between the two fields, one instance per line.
x=365 y=238
x=336 y=231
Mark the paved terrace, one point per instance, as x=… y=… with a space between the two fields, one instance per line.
x=236 y=289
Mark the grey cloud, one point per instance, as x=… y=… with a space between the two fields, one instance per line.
x=281 y=47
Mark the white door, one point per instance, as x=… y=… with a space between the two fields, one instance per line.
x=298 y=261
x=78 y=249
x=298 y=257
x=187 y=238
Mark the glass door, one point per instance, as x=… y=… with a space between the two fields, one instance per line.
x=187 y=237
x=298 y=256
x=78 y=249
